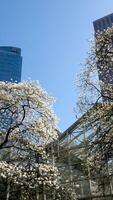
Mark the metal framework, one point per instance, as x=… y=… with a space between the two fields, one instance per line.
x=72 y=154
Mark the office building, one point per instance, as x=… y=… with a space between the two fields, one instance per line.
x=103 y=23
x=105 y=71
x=10 y=64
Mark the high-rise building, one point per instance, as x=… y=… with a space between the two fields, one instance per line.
x=105 y=71
x=103 y=23
x=10 y=71
x=10 y=64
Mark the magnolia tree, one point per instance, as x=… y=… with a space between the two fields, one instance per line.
x=27 y=126
x=96 y=101
x=96 y=79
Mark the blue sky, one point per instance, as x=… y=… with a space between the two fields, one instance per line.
x=53 y=37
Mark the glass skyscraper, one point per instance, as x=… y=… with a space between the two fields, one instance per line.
x=10 y=64
x=103 y=23
x=105 y=73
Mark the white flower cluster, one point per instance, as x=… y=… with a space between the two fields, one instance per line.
x=40 y=174
x=26 y=114
x=27 y=125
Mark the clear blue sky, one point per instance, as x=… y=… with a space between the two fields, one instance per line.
x=53 y=36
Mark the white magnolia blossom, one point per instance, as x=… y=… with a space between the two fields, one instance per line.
x=27 y=127
x=38 y=175
x=26 y=112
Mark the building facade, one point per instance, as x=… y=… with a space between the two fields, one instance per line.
x=10 y=64
x=103 y=23
x=105 y=65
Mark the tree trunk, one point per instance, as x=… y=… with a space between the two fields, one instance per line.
x=8 y=190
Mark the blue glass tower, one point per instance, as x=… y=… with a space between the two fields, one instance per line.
x=10 y=64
